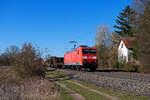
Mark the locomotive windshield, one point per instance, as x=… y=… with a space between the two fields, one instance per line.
x=89 y=51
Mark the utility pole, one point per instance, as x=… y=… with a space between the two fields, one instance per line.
x=74 y=44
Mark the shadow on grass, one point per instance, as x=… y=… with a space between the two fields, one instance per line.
x=60 y=77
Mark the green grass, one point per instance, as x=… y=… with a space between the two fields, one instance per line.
x=64 y=94
x=120 y=95
x=84 y=92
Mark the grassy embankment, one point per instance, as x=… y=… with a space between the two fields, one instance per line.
x=14 y=87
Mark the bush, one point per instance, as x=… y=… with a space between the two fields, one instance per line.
x=29 y=62
x=7 y=58
x=121 y=65
x=129 y=67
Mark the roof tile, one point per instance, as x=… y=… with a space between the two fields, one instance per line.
x=128 y=41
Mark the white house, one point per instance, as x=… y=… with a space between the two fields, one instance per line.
x=125 y=49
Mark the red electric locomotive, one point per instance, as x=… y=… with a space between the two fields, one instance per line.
x=82 y=57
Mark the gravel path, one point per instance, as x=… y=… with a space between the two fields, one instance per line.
x=95 y=91
x=74 y=95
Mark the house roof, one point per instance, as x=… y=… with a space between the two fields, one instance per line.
x=128 y=41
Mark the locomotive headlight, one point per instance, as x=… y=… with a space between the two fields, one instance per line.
x=84 y=57
x=94 y=57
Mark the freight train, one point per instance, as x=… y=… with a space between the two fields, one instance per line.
x=83 y=57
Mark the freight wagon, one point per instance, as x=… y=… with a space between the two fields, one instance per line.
x=55 y=62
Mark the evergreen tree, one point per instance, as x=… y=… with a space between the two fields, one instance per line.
x=124 y=26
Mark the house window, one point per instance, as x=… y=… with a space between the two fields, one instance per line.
x=122 y=58
x=130 y=52
x=122 y=45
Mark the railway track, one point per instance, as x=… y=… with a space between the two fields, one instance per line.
x=120 y=75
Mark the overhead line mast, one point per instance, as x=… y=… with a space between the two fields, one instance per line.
x=74 y=44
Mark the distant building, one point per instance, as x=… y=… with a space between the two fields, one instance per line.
x=125 y=49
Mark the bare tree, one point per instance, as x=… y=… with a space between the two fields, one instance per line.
x=29 y=61
x=143 y=37
x=104 y=36
x=105 y=47
x=138 y=6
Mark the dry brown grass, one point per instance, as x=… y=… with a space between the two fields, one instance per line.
x=13 y=87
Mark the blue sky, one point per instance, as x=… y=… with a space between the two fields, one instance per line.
x=53 y=23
